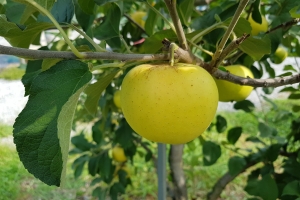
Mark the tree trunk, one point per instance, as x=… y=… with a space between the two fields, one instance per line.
x=175 y=162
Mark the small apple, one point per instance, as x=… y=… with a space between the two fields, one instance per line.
x=280 y=55
x=233 y=92
x=169 y=104
x=138 y=17
x=118 y=154
x=256 y=27
x=117 y=98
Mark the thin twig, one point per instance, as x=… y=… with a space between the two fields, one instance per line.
x=284 y=25
x=171 y=5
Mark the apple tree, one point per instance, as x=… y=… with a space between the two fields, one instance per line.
x=72 y=79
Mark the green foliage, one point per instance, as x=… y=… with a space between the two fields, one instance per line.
x=50 y=127
x=264 y=143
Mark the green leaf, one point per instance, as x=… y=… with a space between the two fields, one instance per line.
x=124 y=135
x=295 y=12
x=211 y=153
x=97 y=132
x=186 y=9
x=103 y=2
x=109 y=29
x=265 y=130
x=221 y=124
x=294 y=96
x=236 y=165
x=292 y=188
x=42 y=129
x=153 y=43
x=95 y=90
x=256 y=48
x=273 y=152
x=266 y=188
x=244 y=105
x=21 y=38
x=62 y=11
x=87 y=6
x=94 y=164
x=78 y=165
x=80 y=142
x=234 y=134
x=100 y=193
x=296 y=108
x=84 y=20
x=106 y=169
x=289 y=67
x=48 y=4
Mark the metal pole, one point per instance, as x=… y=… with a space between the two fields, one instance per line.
x=161 y=172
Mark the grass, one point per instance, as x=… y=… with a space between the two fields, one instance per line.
x=12 y=73
x=17 y=183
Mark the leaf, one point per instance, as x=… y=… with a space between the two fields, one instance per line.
x=97 y=132
x=153 y=43
x=99 y=192
x=221 y=124
x=295 y=12
x=124 y=135
x=234 y=134
x=103 y=2
x=87 y=6
x=273 y=152
x=94 y=164
x=186 y=9
x=292 y=188
x=289 y=67
x=47 y=63
x=296 y=108
x=42 y=130
x=109 y=29
x=265 y=130
x=266 y=188
x=250 y=46
x=84 y=20
x=78 y=165
x=294 y=96
x=80 y=142
x=45 y=4
x=62 y=11
x=211 y=153
x=244 y=105
x=236 y=165
x=21 y=38
x=95 y=90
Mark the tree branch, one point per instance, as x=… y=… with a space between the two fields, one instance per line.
x=177 y=173
x=274 y=82
x=284 y=25
x=41 y=54
x=171 y=5
x=224 y=180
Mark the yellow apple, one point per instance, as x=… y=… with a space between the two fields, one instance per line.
x=280 y=55
x=233 y=92
x=256 y=27
x=117 y=99
x=166 y=104
x=138 y=17
x=118 y=154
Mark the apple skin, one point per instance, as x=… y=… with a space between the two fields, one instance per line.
x=233 y=92
x=171 y=105
x=138 y=17
x=117 y=98
x=118 y=154
x=280 y=55
x=256 y=27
